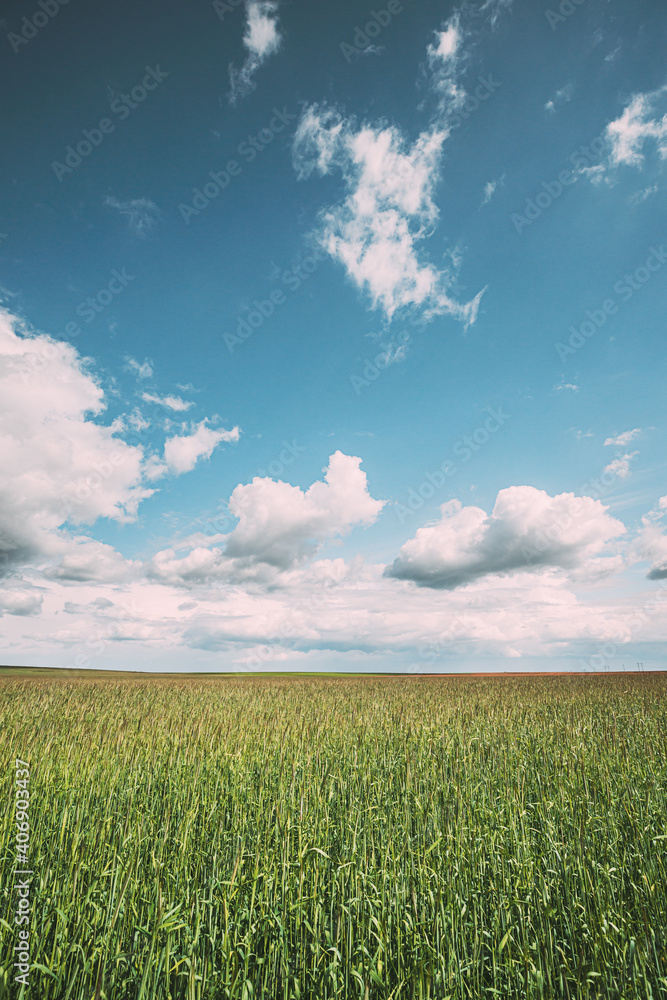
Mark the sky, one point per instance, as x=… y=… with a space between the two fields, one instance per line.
x=331 y=336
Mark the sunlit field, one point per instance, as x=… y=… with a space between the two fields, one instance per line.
x=304 y=837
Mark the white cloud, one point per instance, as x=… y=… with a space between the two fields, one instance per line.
x=24 y=604
x=181 y=453
x=495 y=8
x=561 y=97
x=261 y=39
x=651 y=543
x=489 y=191
x=139 y=369
x=56 y=463
x=643 y=123
x=142 y=214
x=626 y=437
x=280 y=524
x=527 y=531
x=620 y=466
x=61 y=466
x=567 y=385
x=171 y=402
x=443 y=58
x=640 y=196
x=345 y=610
x=84 y=559
x=279 y=527
x=389 y=209
x=447 y=42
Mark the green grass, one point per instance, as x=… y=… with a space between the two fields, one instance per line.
x=306 y=837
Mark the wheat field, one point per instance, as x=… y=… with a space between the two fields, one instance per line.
x=357 y=837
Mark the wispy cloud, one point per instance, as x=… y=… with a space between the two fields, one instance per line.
x=388 y=210
x=561 y=97
x=261 y=39
x=567 y=385
x=182 y=452
x=642 y=125
x=140 y=370
x=490 y=189
x=170 y=402
x=494 y=8
x=621 y=440
x=444 y=57
x=142 y=214
x=640 y=196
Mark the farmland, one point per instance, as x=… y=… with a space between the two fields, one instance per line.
x=320 y=837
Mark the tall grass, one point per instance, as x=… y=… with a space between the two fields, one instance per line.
x=319 y=838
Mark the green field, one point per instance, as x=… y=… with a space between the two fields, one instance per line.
x=378 y=837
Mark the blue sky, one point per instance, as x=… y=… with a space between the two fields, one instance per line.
x=333 y=338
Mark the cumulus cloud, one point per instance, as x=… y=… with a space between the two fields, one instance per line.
x=279 y=527
x=640 y=128
x=388 y=210
x=62 y=467
x=280 y=524
x=651 y=543
x=528 y=530
x=626 y=437
x=182 y=452
x=170 y=402
x=24 y=604
x=57 y=464
x=620 y=466
x=261 y=39
x=141 y=213
x=84 y=559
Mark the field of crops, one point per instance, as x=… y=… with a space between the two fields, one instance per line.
x=339 y=837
